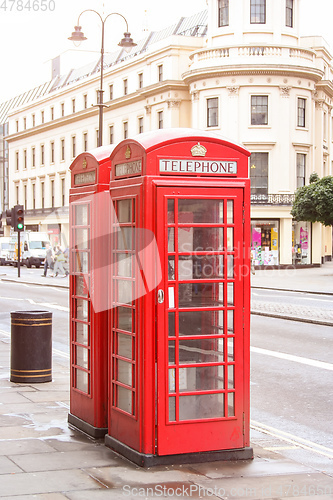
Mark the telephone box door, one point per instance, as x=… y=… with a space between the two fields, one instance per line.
x=200 y=337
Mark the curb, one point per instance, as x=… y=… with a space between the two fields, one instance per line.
x=293 y=318
x=13 y=280
x=314 y=292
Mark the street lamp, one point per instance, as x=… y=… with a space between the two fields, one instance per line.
x=126 y=42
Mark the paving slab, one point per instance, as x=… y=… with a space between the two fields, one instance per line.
x=42 y=496
x=24 y=446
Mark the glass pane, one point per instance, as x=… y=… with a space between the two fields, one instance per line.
x=231 y=351
x=201 y=267
x=124 y=319
x=172 y=409
x=81 y=239
x=82 y=357
x=230 y=298
x=124 y=399
x=171 y=239
x=230 y=239
x=171 y=317
x=230 y=212
x=124 y=238
x=230 y=266
x=201 y=351
x=124 y=211
x=200 y=239
x=201 y=378
x=172 y=380
x=200 y=211
x=171 y=211
x=81 y=309
x=124 y=265
x=82 y=380
x=230 y=320
x=82 y=333
x=124 y=345
x=201 y=294
x=81 y=262
x=201 y=406
x=201 y=323
x=231 y=404
x=81 y=285
x=124 y=372
x=124 y=291
x=81 y=215
x=231 y=376
x=171 y=268
x=172 y=352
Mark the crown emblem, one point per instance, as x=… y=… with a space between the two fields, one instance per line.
x=128 y=153
x=198 y=150
x=84 y=163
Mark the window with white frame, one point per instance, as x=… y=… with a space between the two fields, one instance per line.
x=85 y=141
x=259 y=110
x=85 y=101
x=301 y=112
x=52 y=151
x=25 y=196
x=25 y=159
x=111 y=134
x=62 y=149
x=125 y=86
x=125 y=130
x=52 y=192
x=33 y=189
x=223 y=19
x=42 y=154
x=259 y=174
x=212 y=112
x=33 y=156
x=63 y=191
x=111 y=91
x=42 y=193
x=160 y=72
x=17 y=160
x=140 y=80
x=300 y=170
x=290 y=13
x=140 y=124
x=160 y=118
x=258 y=11
x=73 y=146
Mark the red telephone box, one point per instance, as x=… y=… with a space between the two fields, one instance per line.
x=179 y=349
x=89 y=243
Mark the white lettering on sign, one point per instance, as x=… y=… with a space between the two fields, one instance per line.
x=219 y=167
x=85 y=178
x=131 y=168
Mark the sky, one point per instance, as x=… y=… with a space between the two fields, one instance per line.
x=30 y=39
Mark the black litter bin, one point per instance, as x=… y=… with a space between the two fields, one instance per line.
x=31 y=347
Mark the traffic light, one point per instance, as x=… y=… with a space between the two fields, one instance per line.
x=18 y=216
x=9 y=217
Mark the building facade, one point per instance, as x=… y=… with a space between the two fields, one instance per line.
x=241 y=69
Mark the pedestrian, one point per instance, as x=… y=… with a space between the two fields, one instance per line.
x=48 y=262
x=60 y=260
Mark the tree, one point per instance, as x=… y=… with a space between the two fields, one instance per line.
x=314 y=203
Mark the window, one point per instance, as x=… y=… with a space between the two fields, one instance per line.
x=42 y=154
x=223 y=7
x=160 y=72
x=63 y=192
x=259 y=173
x=52 y=193
x=160 y=119
x=73 y=105
x=259 y=110
x=33 y=119
x=125 y=130
x=300 y=170
x=73 y=146
x=62 y=109
x=62 y=149
x=25 y=197
x=125 y=86
x=140 y=80
x=111 y=92
x=17 y=195
x=42 y=191
x=33 y=186
x=97 y=138
x=52 y=152
x=111 y=136
x=289 y=13
x=212 y=112
x=52 y=113
x=33 y=157
x=85 y=141
x=85 y=101
x=24 y=158
x=17 y=126
x=24 y=123
x=42 y=116
x=301 y=108
x=140 y=124
x=17 y=160
x=258 y=12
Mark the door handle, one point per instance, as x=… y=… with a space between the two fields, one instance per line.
x=160 y=296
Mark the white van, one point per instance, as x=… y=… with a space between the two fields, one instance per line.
x=4 y=250
x=34 y=248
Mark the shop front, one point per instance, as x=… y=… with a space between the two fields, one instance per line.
x=301 y=243
x=265 y=242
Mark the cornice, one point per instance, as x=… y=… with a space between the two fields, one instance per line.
x=241 y=70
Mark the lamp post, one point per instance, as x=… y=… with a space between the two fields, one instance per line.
x=127 y=42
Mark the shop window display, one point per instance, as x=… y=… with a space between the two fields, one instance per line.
x=265 y=242
x=301 y=243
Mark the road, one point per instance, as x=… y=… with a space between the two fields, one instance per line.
x=291 y=366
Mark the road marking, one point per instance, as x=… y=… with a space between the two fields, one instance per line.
x=291 y=357
x=294 y=440
x=45 y=304
x=60 y=353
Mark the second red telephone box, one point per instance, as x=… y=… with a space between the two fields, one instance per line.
x=180 y=298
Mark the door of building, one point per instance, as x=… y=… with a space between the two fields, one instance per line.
x=200 y=336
